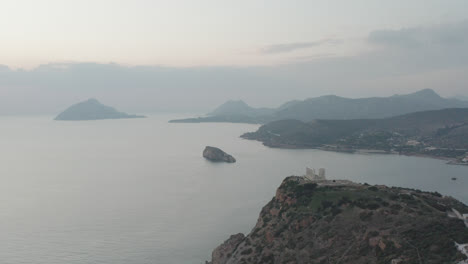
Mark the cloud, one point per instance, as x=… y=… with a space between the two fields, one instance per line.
x=50 y=88
x=439 y=62
x=314 y=57
x=444 y=35
x=288 y=47
x=424 y=48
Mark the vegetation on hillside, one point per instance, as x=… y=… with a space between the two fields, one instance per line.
x=441 y=133
x=331 y=222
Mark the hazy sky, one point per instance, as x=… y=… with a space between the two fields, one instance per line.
x=194 y=54
x=201 y=32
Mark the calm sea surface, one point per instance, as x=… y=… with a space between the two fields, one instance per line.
x=138 y=190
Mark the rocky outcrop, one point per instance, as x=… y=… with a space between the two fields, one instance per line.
x=216 y=154
x=92 y=109
x=344 y=222
x=223 y=252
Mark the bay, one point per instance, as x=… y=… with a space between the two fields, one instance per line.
x=138 y=190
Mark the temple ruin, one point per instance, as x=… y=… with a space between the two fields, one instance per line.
x=313 y=176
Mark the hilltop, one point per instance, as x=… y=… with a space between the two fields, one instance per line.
x=92 y=109
x=335 y=107
x=331 y=107
x=345 y=222
x=233 y=112
x=239 y=107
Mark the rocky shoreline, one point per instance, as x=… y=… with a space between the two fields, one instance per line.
x=450 y=161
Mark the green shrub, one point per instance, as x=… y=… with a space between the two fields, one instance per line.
x=247 y=251
x=326 y=204
x=364 y=216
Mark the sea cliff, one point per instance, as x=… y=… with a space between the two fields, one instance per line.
x=345 y=222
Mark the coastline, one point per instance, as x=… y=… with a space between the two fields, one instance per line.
x=449 y=160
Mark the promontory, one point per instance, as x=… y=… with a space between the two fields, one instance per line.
x=334 y=221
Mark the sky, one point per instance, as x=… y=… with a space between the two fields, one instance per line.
x=188 y=55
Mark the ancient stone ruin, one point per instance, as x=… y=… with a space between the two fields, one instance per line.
x=313 y=176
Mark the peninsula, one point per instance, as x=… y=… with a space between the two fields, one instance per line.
x=338 y=221
x=437 y=133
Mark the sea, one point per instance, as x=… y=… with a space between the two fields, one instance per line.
x=139 y=191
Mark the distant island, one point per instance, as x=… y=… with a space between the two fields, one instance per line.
x=437 y=133
x=330 y=107
x=92 y=109
x=338 y=221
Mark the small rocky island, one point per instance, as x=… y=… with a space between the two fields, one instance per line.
x=92 y=109
x=216 y=154
x=315 y=220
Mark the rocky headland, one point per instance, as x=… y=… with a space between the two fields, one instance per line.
x=343 y=222
x=217 y=155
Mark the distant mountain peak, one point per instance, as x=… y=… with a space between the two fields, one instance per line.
x=239 y=108
x=232 y=107
x=92 y=100
x=332 y=97
x=236 y=102
x=427 y=93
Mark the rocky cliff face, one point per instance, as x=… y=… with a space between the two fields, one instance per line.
x=344 y=222
x=216 y=154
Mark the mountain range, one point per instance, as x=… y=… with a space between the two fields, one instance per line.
x=331 y=107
